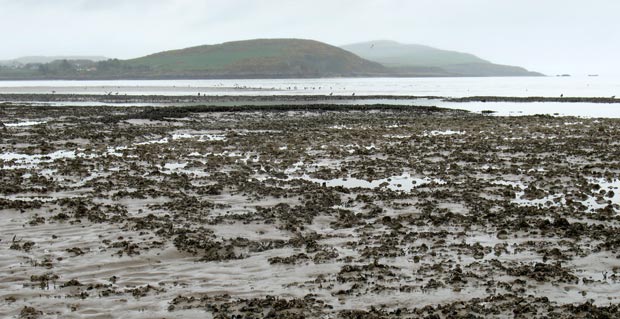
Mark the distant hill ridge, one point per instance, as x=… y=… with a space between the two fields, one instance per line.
x=271 y=58
x=416 y=58
x=48 y=59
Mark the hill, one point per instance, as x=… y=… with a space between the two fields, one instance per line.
x=258 y=58
x=261 y=58
x=421 y=60
x=266 y=58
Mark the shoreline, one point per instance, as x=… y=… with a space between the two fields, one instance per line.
x=111 y=98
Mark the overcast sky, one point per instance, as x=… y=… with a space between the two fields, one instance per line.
x=550 y=36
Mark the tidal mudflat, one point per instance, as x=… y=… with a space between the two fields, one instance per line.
x=306 y=212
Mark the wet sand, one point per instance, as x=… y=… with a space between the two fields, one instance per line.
x=301 y=212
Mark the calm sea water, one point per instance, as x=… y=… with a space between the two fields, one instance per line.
x=452 y=87
x=446 y=87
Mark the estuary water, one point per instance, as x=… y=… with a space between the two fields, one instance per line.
x=583 y=86
x=577 y=86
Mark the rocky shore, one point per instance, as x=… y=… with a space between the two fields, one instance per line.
x=285 y=211
x=275 y=99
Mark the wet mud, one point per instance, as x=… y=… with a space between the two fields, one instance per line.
x=306 y=212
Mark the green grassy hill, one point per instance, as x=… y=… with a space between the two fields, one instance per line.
x=415 y=59
x=258 y=58
x=271 y=58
